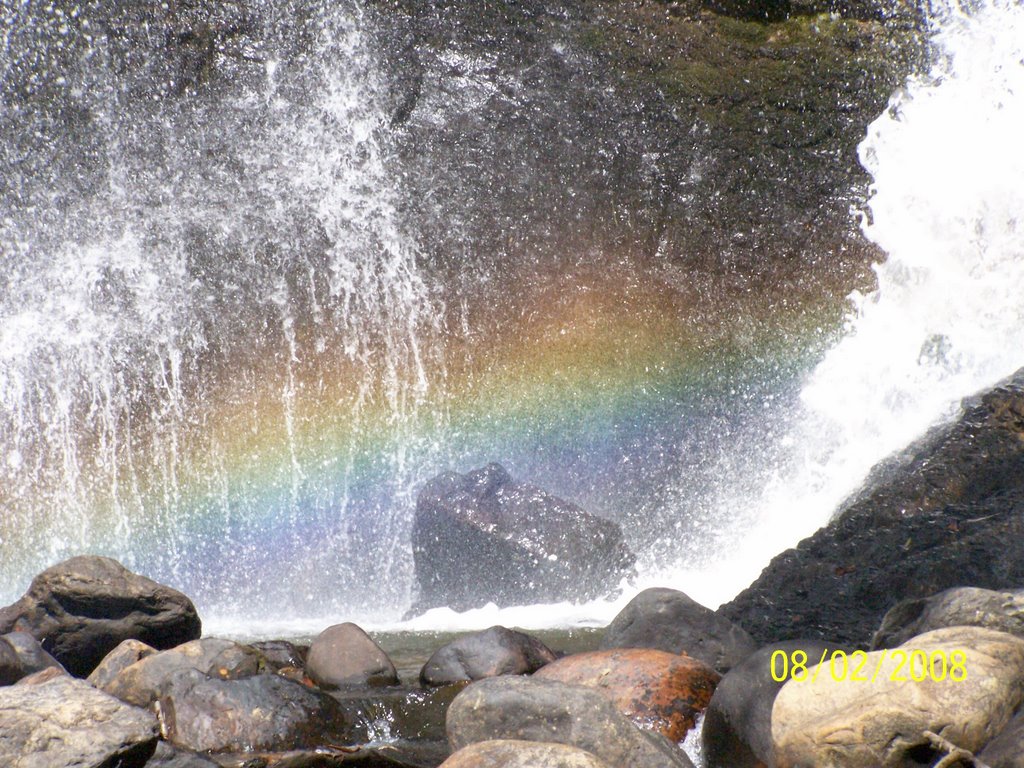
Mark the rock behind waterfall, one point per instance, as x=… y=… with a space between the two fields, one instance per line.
x=82 y=608
x=483 y=537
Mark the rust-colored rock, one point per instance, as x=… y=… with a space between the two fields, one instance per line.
x=659 y=691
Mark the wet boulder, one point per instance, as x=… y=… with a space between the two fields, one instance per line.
x=483 y=537
x=82 y=608
x=737 y=730
x=22 y=655
x=880 y=720
x=258 y=713
x=153 y=675
x=528 y=709
x=344 y=655
x=962 y=606
x=945 y=512
x=671 y=621
x=659 y=691
x=509 y=753
x=53 y=720
x=495 y=651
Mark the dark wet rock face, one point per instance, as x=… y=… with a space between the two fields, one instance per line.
x=82 y=608
x=483 y=537
x=946 y=512
x=671 y=621
x=495 y=651
x=730 y=142
x=56 y=721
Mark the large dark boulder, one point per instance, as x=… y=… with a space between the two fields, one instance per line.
x=56 y=721
x=524 y=708
x=495 y=651
x=483 y=537
x=670 y=620
x=946 y=512
x=82 y=608
x=737 y=731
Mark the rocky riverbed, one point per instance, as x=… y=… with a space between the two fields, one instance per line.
x=103 y=667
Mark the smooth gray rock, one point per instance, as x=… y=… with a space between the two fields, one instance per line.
x=119 y=659
x=528 y=709
x=495 y=651
x=669 y=620
x=168 y=756
x=52 y=720
x=1007 y=749
x=22 y=655
x=509 y=753
x=81 y=609
x=344 y=655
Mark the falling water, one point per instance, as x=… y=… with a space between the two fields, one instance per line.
x=226 y=359
x=946 y=319
x=196 y=264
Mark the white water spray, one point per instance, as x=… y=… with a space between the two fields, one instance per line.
x=947 y=318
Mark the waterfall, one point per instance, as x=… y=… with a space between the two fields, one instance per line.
x=249 y=301
x=946 y=318
x=211 y=313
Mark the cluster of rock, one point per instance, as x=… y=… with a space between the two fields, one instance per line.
x=177 y=699
x=499 y=698
x=158 y=695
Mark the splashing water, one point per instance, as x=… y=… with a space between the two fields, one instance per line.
x=946 y=320
x=224 y=361
x=156 y=266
